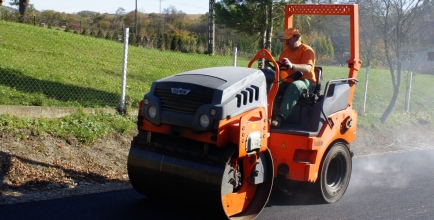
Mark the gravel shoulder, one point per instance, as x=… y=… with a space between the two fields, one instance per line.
x=34 y=168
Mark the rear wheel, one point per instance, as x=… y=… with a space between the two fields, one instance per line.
x=335 y=173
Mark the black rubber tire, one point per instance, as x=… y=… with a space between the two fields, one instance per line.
x=335 y=173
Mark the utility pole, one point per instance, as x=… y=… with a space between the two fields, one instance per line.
x=160 y=5
x=211 y=28
x=136 y=20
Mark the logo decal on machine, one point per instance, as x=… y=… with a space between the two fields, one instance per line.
x=318 y=143
x=180 y=91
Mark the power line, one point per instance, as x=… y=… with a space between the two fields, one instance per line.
x=185 y=4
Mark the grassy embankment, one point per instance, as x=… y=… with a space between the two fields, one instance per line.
x=44 y=67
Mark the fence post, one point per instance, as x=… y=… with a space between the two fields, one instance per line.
x=407 y=97
x=366 y=89
x=122 y=110
x=234 y=62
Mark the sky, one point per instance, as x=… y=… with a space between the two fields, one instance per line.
x=110 y=6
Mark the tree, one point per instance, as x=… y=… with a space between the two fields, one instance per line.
x=108 y=36
x=166 y=42
x=120 y=11
x=92 y=32
x=371 y=43
x=138 y=40
x=160 y=42
x=22 y=7
x=253 y=17
x=145 y=41
x=173 y=45
x=248 y=16
x=179 y=44
x=132 y=37
x=100 y=33
x=56 y=18
x=330 y=49
x=396 y=21
x=84 y=32
x=174 y=19
x=104 y=24
x=115 y=36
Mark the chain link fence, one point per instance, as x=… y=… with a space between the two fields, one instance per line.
x=54 y=60
x=51 y=67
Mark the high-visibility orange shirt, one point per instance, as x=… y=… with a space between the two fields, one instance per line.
x=303 y=55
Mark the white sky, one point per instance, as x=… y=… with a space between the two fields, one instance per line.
x=110 y=6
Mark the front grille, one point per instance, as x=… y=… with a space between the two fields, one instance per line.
x=187 y=104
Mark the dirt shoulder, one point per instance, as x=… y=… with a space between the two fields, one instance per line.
x=44 y=167
x=34 y=168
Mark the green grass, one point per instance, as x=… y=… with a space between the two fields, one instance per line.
x=84 y=127
x=380 y=93
x=45 y=67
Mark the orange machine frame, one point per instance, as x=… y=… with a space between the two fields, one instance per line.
x=304 y=154
x=354 y=63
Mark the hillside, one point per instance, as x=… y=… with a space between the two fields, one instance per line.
x=7 y=8
x=47 y=67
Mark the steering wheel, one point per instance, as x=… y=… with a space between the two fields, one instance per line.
x=281 y=65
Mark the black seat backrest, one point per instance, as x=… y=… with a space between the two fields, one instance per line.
x=270 y=76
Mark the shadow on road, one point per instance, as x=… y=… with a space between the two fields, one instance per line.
x=179 y=209
x=292 y=193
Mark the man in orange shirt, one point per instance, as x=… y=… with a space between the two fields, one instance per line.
x=300 y=61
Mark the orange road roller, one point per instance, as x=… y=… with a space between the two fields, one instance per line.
x=205 y=134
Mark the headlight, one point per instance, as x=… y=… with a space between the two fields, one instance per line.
x=152 y=111
x=213 y=112
x=204 y=121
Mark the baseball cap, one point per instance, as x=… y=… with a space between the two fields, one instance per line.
x=289 y=33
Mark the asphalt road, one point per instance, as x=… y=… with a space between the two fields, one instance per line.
x=387 y=186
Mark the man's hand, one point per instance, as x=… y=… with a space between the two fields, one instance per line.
x=287 y=63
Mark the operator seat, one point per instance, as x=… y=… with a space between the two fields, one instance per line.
x=301 y=117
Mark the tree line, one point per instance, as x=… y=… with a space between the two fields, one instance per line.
x=171 y=30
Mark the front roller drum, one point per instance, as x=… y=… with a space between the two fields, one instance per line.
x=233 y=188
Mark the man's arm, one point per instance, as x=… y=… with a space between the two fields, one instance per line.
x=304 y=68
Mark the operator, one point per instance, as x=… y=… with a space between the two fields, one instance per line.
x=299 y=59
